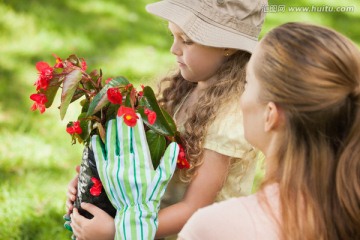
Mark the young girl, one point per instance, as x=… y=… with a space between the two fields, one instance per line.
x=213 y=41
x=301 y=107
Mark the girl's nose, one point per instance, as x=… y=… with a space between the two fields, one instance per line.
x=175 y=49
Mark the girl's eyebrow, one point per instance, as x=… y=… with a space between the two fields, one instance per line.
x=185 y=37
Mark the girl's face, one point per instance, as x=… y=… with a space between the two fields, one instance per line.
x=253 y=110
x=197 y=63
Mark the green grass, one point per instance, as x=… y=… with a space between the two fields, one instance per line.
x=36 y=156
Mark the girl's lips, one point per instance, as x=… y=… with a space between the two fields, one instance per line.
x=181 y=64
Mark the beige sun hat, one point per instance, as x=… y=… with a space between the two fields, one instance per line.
x=217 y=23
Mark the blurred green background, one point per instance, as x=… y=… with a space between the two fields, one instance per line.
x=37 y=159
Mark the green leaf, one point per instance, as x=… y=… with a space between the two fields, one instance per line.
x=164 y=124
x=169 y=120
x=58 y=70
x=74 y=60
x=78 y=94
x=127 y=102
x=85 y=105
x=100 y=100
x=112 y=111
x=85 y=126
x=51 y=91
x=95 y=76
x=101 y=131
x=70 y=84
x=157 y=146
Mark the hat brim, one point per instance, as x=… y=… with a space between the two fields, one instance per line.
x=199 y=30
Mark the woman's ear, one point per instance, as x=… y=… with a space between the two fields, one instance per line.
x=273 y=117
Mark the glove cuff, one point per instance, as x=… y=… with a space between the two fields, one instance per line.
x=136 y=222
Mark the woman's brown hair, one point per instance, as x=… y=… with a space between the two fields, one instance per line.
x=313 y=74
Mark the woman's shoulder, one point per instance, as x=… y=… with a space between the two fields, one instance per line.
x=248 y=207
x=235 y=218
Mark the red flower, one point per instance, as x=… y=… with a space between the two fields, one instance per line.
x=141 y=93
x=83 y=65
x=130 y=116
x=114 y=95
x=151 y=116
x=74 y=127
x=96 y=189
x=181 y=161
x=59 y=62
x=42 y=82
x=45 y=72
x=40 y=100
x=128 y=86
x=44 y=68
x=108 y=80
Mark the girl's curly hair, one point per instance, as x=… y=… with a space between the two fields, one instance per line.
x=230 y=84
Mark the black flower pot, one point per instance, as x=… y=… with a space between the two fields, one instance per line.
x=87 y=172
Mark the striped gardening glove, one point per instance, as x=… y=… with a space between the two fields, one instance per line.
x=129 y=179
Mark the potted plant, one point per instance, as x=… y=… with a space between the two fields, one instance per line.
x=101 y=100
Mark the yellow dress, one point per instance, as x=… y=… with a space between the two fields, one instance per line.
x=226 y=136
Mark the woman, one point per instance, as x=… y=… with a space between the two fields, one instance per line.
x=301 y=108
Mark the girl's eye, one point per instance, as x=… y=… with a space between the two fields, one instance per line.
x=183 y=40
x=188 y=42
